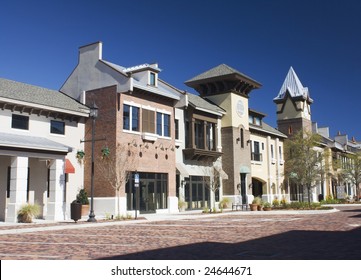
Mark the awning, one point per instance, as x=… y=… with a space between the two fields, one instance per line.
x=244 y=169
x=222 y=174
x=182 y=169
x=69 y=168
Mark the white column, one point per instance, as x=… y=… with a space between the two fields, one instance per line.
x=18 y=187
x=55 y=205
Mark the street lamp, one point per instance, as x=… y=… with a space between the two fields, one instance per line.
x=93 y=115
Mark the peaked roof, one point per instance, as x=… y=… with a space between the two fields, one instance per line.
x=201 y=103
x=293 y=86
x=21 y=92
x=220 y=70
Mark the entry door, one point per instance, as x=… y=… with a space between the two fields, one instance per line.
x=243 y=188
x=147 y=196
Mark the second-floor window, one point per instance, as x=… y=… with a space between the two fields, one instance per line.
x=57 y=127
x=205 y=135
x=163 y=124
x=20 y=122
x=199 y=134
x=130 y=118
x=256 y=154
x=176 y=127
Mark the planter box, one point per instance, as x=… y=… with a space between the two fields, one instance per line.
x=85 y=209
x=253 y=207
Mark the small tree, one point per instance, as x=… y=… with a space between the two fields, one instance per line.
x=115 y=167
x=303 y=163
x=352 y=171
x=212 y=179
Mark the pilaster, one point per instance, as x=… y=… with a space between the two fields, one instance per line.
x=18 y=187
x=55 y=206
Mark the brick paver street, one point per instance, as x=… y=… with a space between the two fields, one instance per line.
x=233 y=235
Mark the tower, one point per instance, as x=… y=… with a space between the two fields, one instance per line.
x=293 y=106
x=230 y=89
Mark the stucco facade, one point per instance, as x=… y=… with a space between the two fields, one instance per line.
x=40 y=134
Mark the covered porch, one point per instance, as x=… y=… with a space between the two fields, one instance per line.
x=33 y=170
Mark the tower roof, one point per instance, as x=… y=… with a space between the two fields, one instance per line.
x=294 y=87
x=220 y=79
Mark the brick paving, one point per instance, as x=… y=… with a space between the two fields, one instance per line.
x=275 y=235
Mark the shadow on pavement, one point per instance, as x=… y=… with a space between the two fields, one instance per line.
x=292 y=245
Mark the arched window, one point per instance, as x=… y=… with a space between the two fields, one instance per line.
x=241 y=137
x=290 y=130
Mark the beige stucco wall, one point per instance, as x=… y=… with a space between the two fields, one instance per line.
x=229 y=103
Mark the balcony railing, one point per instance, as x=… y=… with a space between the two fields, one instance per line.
x=256 y=157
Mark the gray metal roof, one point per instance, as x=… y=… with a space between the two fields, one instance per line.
x=220 y=70
x=293 y=86
x=200 y=102
x=35 y=95
x=31 y=142
x=267 y=129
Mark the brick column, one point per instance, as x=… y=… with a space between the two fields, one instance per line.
x=18 y=187
x=55 y=205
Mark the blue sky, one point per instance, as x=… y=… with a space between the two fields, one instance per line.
x=321 y=39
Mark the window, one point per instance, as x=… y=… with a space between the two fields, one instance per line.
x=148 y=121
x=272 y=152
x=176 y=127
x=163 y=124
x=130 y=118
x=280 y=152
x=254 y=120
x=211 y=135
x=20 y=122
x=242 y=138
x=152 y=79
x=199 y=134
x=256 y=155
x=290 y=130
x=57 y=127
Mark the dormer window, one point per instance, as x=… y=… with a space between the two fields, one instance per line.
x=152 y=79
x=255 y=120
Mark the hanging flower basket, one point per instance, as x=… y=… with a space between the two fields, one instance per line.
x=80 y=155
x=105 y=152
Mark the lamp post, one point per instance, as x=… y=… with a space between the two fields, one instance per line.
x=93 y=115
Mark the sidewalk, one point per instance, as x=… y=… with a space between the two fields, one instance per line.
x=42 y=225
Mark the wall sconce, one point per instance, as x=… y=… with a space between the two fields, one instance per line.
x=171 y=148
x=250 y=186
x=248 y=141
x=238 y=139
x=161 y=146
x=183 y=183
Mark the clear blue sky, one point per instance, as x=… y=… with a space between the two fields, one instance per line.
x=321 y=39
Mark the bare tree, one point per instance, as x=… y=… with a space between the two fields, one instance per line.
x=115 y=167
x=212 y=179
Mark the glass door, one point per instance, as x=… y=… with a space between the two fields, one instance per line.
x=147 y=196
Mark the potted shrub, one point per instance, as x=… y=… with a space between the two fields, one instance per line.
x=27 y=212
x=224 y=203
x=267 y=206
x=255 y=202
x=80 y=156
x=105 y=152
x=182 y=205
x=82 y=198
